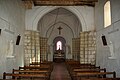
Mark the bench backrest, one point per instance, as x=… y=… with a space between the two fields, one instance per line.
x=100 y=79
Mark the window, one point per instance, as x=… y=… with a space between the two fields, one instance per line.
x=59 y=45
x=107 y=14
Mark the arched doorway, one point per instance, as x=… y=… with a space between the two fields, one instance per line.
x=59 y=49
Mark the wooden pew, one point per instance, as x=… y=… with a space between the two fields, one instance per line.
x=35 y=68
x=48 y=73
x=72 y=64
x=86 y=70
x=40 y=68
x=45 y=63
x=84 y=66
x=100 y=79
x=16 y=76
x=74 y=71
x=69 y=63
x=77 y=71
x=7 y=79
x=30 y=71
x=79 y=75
x=89 y=70
x=76 y=64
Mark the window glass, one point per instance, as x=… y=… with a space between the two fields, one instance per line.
x=107 y=14
x=59 y=45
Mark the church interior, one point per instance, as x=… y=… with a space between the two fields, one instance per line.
x=60 y=39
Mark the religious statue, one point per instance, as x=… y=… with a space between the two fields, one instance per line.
x=111 y=48
x=69 y=49
x=48 y=50
x=10 y=48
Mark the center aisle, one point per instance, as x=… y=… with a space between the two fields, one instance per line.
x=60 y=72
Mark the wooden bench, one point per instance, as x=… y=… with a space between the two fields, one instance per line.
x=100 y=79
x=46 y=63
x=79 y=75
x=48 y=73
x=7 y=79
x=39 y=63
x=72 y=64
x=89 y=70
x=75 y=65
x=86 y=68
x=74 y=71
x=35 y=67
x=16 y=76
x=48 y=68
x=30 y=71
x=40 y=68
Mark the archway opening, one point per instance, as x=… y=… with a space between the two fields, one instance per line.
x=59 y=17
x=59 y=49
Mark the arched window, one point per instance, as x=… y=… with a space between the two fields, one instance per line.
x=107 y=14
x=59 y=45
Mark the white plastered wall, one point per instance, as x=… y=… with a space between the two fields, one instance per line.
x=12 y=23
x=112 y=33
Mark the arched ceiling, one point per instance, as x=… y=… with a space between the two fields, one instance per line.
x=59 y=17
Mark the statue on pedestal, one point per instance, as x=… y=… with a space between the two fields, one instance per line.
x=111 y=48
x=10 y=48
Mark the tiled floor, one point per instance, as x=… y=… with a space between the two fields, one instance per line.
x=60 y=72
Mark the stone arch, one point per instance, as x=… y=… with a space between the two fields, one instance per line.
x=41 y=12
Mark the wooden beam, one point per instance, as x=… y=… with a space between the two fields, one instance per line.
x=28 y=4
x=65 y=0
x=62 y=2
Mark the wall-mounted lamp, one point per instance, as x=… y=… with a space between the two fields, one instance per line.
x=0 y=31
x=104 y=40
x=18 y=39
